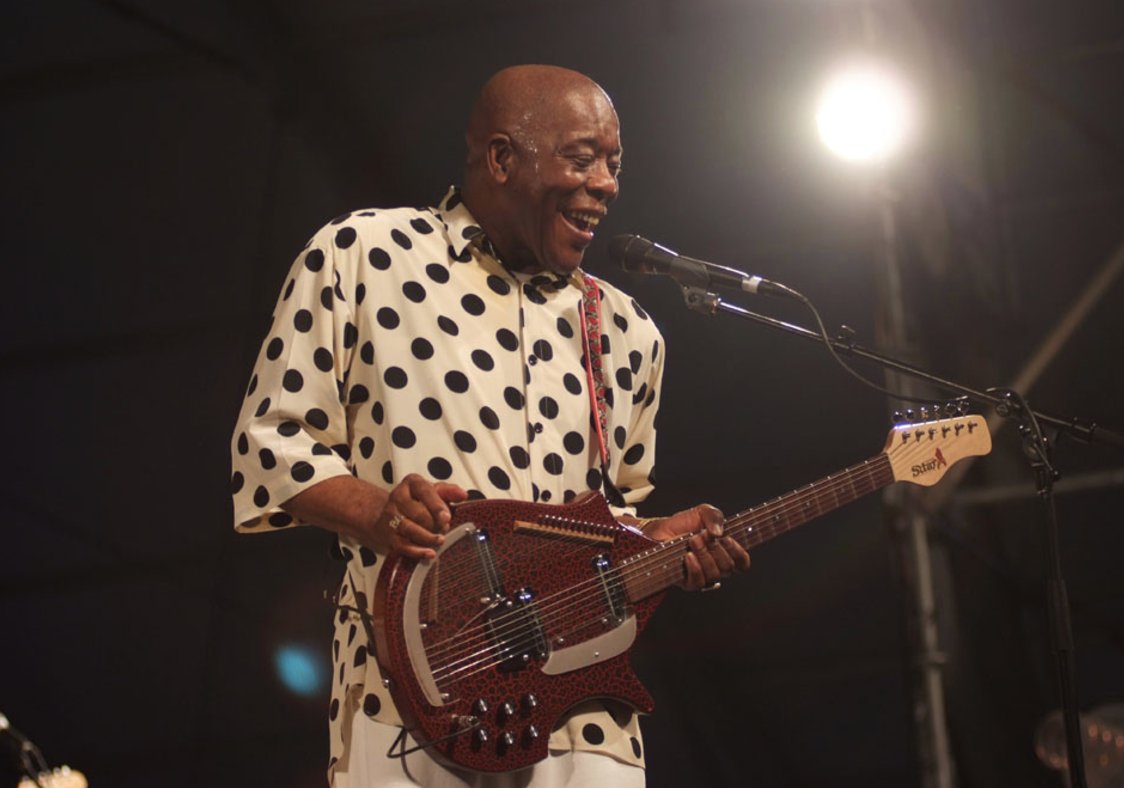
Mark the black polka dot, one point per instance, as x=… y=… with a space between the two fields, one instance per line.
x=367 y=447
x=439 y=468
x=564 y=328
x=548 y=407
x=360 y=293
x=634 y=454
x=507 y=339
x=263 y=408
x=403 y=437
x=267 y=460
x=379 y=258
x=483 y=360
x=334 y=708
x=387 y=317
x=606 y=348
x=533 y=295
x=345 y=237
x=326 y=298
x=289 y=289
x=236 y=482
x=640 y=394
x=395 y=377
x=302 y=471
x=322 y=358
x=288 y=428
x=593 y=479
x=635 y=745
x=499 y=478
x=456 y=381
x=448 y=325
x=421 y=348
x=293 y=381
x=568 y=496
x=401 y=238
x=421 y=226
x=638 y=310
x=572 y=384
x=519 y=457
x=430 y=408
x=261 y=497
x=280 y=520
x=497 y=285
x=317 y=418
x=489 y=418
x=438 y=273
x=343 y=450
x=655 y=349
x=592 y=733
x=243 y=444
x=574 y=442
x=388 y=472
x=274 y=349
x=513 y=397
x=367 y=557
x=473 y=304
x=377 y=413
x=622 y=324
x=545 y=495
x=372 y=705
x=543 y=350
x=464 y=441
x=358 y=395
x=414 y=291
x=302 y=321
x=609 y=397
x=253 y=385
x=552 y=463
x=619 y=435
x=624 y=378
x=350 y=335
x=634 y=359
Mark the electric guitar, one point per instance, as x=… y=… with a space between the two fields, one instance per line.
x=529 y=609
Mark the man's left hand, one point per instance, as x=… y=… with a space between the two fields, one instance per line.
x=712 y=555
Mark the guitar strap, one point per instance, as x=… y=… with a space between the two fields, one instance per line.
x=595 y=380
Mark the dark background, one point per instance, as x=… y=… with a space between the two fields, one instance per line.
x=164 y=162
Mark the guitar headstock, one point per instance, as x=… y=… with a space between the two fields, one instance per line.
x=921 y=452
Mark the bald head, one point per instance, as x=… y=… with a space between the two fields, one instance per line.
x=543 y=155
x=519 y=100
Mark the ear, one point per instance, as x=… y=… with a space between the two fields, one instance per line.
x=500 y=157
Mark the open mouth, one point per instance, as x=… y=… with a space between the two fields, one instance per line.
x=584 y=222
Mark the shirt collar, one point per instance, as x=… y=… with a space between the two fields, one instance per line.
x=464 y=232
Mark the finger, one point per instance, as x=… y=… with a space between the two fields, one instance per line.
x=695 y=578
x=737 y=552
x=437 y=514
x=722 y=558
x=702 y=552
x=712 y=519
x=415 y=540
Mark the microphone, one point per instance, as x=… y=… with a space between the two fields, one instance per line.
x=640 y=255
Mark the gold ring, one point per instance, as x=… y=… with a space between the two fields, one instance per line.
x=394 y=522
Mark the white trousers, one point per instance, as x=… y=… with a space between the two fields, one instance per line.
x=368 y=767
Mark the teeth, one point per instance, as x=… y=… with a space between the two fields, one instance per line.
x=590 y=219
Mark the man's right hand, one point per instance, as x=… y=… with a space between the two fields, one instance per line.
x=416 y=516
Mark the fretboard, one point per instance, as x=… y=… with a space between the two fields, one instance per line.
x=661 y=566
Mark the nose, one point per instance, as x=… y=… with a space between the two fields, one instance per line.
x=602 y=183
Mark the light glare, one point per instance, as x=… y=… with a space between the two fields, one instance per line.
x=865 y=113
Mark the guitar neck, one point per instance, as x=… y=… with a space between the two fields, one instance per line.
x=661 y=566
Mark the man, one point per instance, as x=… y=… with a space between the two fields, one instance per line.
x=419 y=358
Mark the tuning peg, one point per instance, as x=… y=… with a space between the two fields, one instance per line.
x=898 y=417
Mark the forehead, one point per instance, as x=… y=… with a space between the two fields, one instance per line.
x=583 y=116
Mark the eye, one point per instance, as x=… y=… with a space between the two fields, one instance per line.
x=583 y=161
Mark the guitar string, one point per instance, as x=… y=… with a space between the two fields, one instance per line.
x=639 y=565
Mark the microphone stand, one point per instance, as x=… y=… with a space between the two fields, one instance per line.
x=1009 y=404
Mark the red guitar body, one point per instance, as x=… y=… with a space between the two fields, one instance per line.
x=519 y=619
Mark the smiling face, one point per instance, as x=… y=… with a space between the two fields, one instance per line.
x=561 y=175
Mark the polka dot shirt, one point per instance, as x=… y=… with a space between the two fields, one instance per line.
x=401 y=345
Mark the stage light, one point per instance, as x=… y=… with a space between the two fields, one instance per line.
x=301 y=669
x=865 y=113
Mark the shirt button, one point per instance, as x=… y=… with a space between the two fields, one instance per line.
x=533 y=360
x=538 y=426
